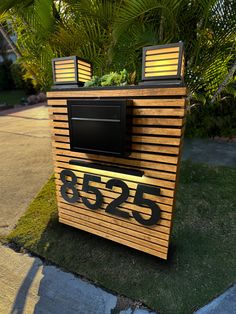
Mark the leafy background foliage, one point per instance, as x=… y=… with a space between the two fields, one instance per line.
x=111 y=34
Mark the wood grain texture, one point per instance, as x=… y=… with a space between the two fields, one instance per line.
x=157 y=134
x=134 y=92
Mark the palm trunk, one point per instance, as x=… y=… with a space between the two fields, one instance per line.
x=9 y=41
x=224 y=83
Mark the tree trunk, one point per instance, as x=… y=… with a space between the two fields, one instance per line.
x=224 y=83
x=9 y=41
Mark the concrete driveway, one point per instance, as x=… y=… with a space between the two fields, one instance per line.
x=25 y=159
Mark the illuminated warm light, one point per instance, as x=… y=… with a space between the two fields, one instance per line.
x=71 y=71
x=163 y=65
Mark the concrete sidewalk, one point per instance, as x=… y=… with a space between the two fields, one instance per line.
x=29 y=286
x=26 y=161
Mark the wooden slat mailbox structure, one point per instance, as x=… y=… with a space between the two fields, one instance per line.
x=129 y=198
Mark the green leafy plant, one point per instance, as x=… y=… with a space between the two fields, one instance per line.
x=111 y=79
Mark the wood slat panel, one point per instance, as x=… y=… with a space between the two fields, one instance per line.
x=136 y=139
x=139 y=147
x=136 y=102
x=134 y=92
x=141 y=120
x=158 y=112
x=60 y=131
x=166 y=195
x=112 y=237
x=157 y=132
x=115 y=229
x=152 y=173
x=166 y=210
x=140 y=112
x=117 y=160
x=145 y=130
x=108 y=195
x=156 y=140
x=157 y=121
x=121 y=221
x=144 y=179
x=107 y=228
x=162 y=226
x=136 y=155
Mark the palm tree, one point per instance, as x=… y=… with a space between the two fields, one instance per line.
x=111 y=33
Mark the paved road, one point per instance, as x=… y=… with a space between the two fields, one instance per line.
x=26 y=162
x=217 y=153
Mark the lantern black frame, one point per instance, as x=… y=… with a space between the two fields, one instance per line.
x=73 y=83
x=165 y=81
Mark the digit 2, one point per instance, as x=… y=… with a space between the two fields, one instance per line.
x=112 y=207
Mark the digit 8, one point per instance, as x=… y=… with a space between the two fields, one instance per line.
x=69 y=185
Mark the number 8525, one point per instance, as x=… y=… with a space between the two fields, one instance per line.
x=113 y=206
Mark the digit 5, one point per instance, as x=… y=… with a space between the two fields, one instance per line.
x=141 y=201
x=92 y=189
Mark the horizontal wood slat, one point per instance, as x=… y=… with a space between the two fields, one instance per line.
x=158 y=112
x=151 y=173
x=144 y=179
x=157 y=132
x=139 y=147
x=128 y=205
x=144 y=156
x=118 y=231
x=131 y=184
x=135 y=138
x=111 y=237
x=137 y=130
x=134 y=92
x=136 y=102
x=142 y=120
x=162 y=226
x=165 y=195
x=117 y=160
x=121 y=221
x=165 y=203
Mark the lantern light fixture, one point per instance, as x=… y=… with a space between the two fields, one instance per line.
x=71 y=71
x=163 y=65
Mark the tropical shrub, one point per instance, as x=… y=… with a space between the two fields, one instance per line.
x=111 y=35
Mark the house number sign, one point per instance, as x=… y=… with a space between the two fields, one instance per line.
x=113 y=207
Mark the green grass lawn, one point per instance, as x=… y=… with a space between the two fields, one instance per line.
x=202 y=259
x=11 y=97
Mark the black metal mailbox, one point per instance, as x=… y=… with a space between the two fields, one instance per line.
x=99 y=126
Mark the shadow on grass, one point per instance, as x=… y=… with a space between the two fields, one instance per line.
x=201 y=260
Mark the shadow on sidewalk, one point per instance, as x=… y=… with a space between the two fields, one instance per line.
x=24 y=290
